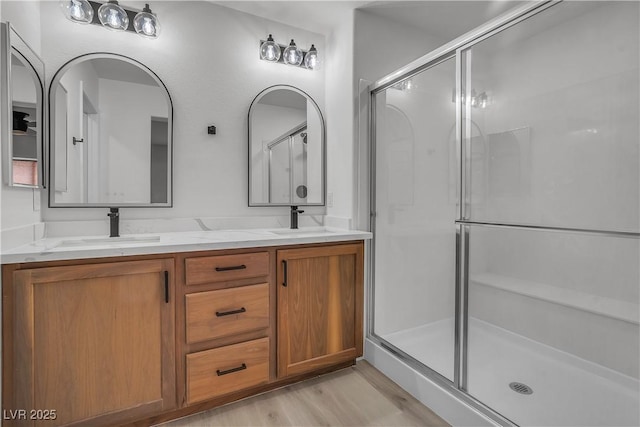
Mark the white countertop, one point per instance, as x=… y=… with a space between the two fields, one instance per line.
x=55 y=249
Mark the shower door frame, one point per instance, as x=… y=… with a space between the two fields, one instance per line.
x=453 y=49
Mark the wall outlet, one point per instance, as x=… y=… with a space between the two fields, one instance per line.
x=329 y=200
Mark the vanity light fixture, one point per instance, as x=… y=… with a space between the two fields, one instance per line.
x=289 y=55
x=476 y=101
x=112 y=16
x=404 y=85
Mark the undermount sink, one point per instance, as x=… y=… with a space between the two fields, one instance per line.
x=109 y=241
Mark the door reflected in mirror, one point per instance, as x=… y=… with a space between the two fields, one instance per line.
x=286 y=149
x=111 y=134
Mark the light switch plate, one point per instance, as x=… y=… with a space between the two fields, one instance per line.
x=329 y=200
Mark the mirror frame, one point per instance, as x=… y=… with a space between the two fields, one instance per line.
x=8 y=46
x=55 y=82
x=322 y=139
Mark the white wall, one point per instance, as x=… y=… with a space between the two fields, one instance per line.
x=339 y=121
x=207 y=56
x=22 y=85
x=127 y=134
x=69 y=158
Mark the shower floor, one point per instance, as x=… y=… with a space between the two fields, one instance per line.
x=567 y=390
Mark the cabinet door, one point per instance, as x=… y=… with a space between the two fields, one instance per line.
x=94 y=343
x=320 y=293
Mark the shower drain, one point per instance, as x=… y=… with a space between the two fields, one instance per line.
x=520 y=388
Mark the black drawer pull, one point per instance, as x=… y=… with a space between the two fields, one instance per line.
x=227 y=313
x=231 y=371
x=235 y=267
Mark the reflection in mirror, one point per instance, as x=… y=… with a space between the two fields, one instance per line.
x=111 y=135
x=286 y=149
x=22 y=115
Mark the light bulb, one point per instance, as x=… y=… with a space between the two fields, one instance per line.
x=114 y=20
x=269 y=50
x=483 y=100
x=146 y=23
x=112 y=16
x=292 y=55
x=474 y=98
x=79 y=11
x=311 y=59
x=76 y=12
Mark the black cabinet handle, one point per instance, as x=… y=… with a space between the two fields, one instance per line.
x=231 y=371
x=166 y=287
x=235 y=267
x=227 y=313
x=284 y=273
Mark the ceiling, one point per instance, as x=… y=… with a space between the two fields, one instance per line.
x=441 y=19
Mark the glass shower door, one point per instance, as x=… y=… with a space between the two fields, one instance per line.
x=415 y=212
x=552 y=216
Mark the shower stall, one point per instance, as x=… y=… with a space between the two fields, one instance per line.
x=505 y=172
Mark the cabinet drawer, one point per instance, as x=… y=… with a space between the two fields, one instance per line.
x=227 y=312
x=222 y=268
x=227 y=369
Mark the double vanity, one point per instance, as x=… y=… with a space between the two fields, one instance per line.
x=146 y=328
x=139 y=329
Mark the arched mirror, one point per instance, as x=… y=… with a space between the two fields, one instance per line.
x=110 y=135
x=286 y=149
x=21 y=82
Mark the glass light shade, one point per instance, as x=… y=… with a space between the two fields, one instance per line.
x=311 y=58
x=270 y=50
x=79 y=11
x=112 y=16
x=293 y=55
x=483 y=100
x=146 y=23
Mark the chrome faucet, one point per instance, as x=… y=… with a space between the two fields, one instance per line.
x=114 y=222
x=294 y=216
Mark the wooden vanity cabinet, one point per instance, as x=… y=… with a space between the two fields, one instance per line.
x=145 y=339
x=320 y=300
x=91 y=344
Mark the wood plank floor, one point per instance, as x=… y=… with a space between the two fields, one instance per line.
x=356 y=396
